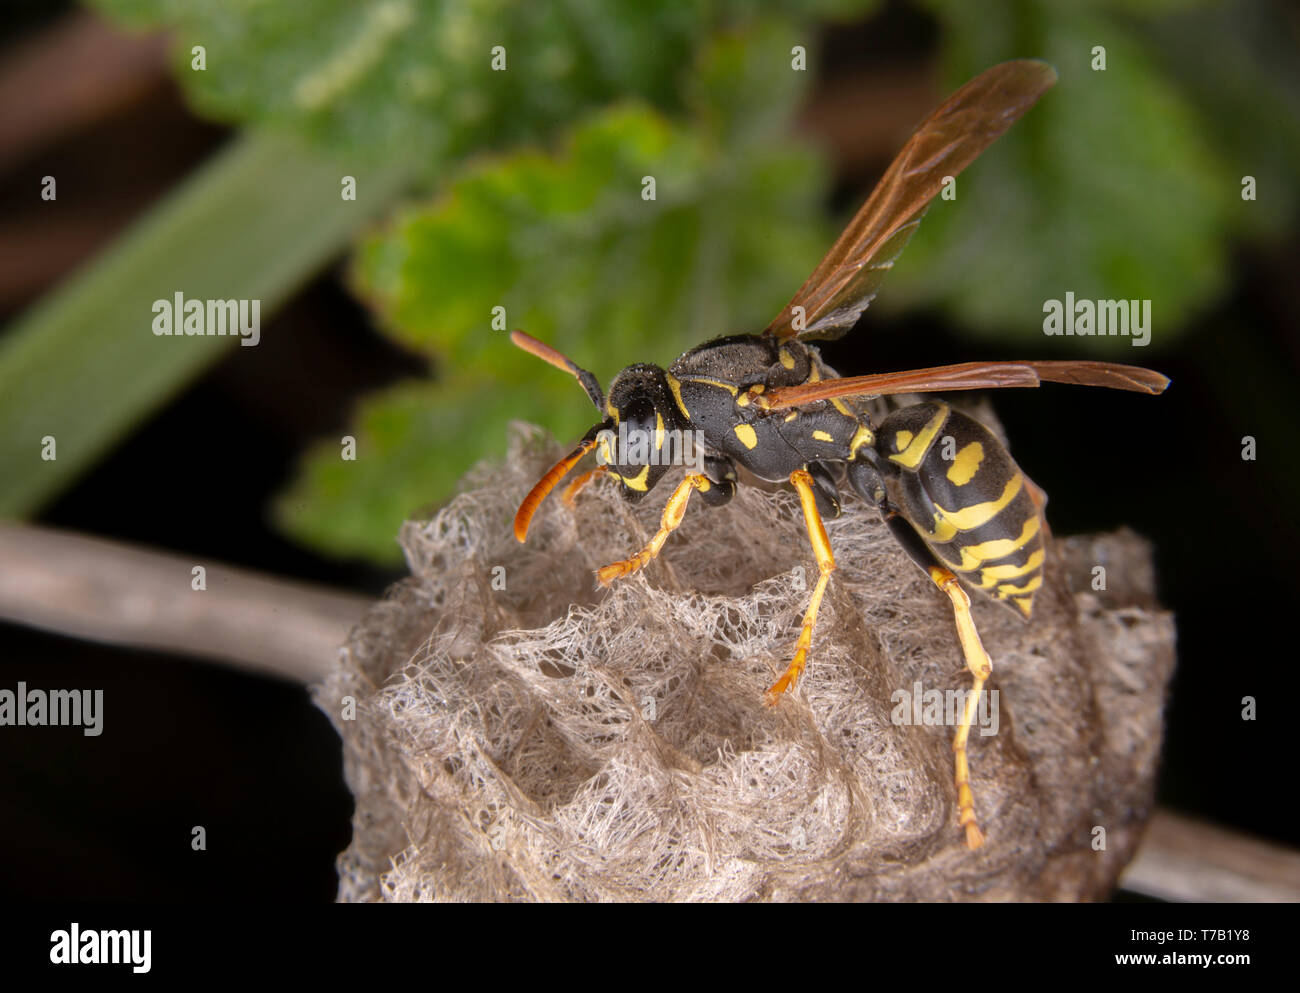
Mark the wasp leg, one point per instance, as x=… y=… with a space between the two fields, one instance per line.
x=981 y=667
x=828 y=494
x=867 y=481
x=721 y=472
x=717 y=485
x=574 y=488
x=803 y=482
x=674 y=511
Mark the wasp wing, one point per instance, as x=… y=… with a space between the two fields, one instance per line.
x=971 y=376
x=950 y=139
x=1112 y=375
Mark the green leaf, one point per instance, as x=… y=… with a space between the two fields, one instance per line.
x=569 y=247
x=1106 y=188
x=413 y=442
x=84 y=366
x=415 y=78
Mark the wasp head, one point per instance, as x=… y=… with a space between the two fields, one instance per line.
x=638 y=441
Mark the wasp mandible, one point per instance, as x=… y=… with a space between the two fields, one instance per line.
x=964 y=511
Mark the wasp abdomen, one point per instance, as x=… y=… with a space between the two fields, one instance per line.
x=967 y=498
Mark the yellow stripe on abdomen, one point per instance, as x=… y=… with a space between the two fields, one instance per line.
x=990 y=575
x=916 y=447
x=966 y=464
x=949 y=523
x=973 y=556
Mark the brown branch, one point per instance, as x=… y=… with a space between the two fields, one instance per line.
x=111 y=592
x=76 y=72
x=1190 y=861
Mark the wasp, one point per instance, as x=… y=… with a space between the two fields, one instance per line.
x=944 y=485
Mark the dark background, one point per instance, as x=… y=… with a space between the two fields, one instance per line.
x=251 y=760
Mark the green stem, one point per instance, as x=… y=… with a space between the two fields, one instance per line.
x=84 y=366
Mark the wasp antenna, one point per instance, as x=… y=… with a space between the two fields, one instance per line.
x=524 y=516
x=549 y=355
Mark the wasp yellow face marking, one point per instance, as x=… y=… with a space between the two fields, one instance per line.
x=948 y=522
x=862 y=436
x=602 y=447
x=675 y=385
x=787 y=359
x=659 y=431
x=992 y=574
x=973 y=555
x=911 y=453
x=966 y=464
x=823 y=436
x=637 y=482
x=609 y=409
x=747 y=435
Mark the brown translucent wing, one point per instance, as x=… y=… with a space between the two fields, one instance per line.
x=947 y=141
x=971 y=376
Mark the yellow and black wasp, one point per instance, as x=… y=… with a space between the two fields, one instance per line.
x=944 y=485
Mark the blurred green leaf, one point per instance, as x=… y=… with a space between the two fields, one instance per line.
x=1106 y=188
x=408 y=438
x=1149 y=8
x=414 y=78
x=569 y=247
x=1247 y=95
x=1115 y=186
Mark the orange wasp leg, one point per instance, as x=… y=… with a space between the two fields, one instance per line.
x=981 y=667
x=803 y=484
x=571 y=491
x=674 y=511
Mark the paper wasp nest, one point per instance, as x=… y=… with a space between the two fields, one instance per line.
x=521 y=735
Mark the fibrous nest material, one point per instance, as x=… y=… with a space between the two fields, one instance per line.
x=514 y=732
